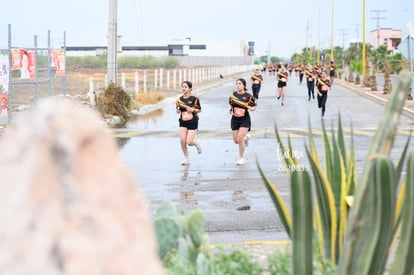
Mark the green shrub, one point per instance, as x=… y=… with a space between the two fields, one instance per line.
x=234 y=263
x=280 y=263
x=170 y=62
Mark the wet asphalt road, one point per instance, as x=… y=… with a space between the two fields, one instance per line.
x=233 y=198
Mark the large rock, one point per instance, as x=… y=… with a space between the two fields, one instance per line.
x=68 y=204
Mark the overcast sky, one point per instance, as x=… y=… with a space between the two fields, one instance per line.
x=273 y=24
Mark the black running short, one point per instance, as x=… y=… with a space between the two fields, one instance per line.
x=236 y=124
x=192 y=125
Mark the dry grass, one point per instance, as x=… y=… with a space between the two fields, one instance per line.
x=147 y=98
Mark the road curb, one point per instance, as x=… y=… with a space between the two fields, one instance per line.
x=367 y=94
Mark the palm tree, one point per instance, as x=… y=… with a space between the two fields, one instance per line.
x=379 y=55
x=356 y=67
x=353 y=53
x=397 y=63
x=387 y=80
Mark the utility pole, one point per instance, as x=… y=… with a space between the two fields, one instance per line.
x=268 y=52
x=357 y=40
x=357 y=31
x=378 y=18
x=311 y=43
x=112 y=63
x=307 y=37
x=343 y=32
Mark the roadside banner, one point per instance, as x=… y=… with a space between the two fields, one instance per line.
x=16 y=59
x=28 y=61
x=4 y=108
x=4 y=73
x=406 y=48
x=58 y=59
x=25 y=61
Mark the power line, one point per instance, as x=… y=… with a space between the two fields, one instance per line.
x=378 y=18
x=343 y=32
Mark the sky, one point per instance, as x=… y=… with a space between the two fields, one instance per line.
x=279 y=27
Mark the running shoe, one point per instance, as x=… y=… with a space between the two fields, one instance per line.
x=186 y=161
x=278 y=97
x=246 y=140
x=198 y=146
x=240 y=161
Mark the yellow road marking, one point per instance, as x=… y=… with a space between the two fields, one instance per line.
x=130 y=134
x=404 y=132
x=291 y=132
x=305 y=130
x=360 y=132
x=214 y=133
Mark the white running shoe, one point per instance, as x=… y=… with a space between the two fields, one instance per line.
x=198 y=146
x=240 y=161
x=246 y=140
x=186 y=161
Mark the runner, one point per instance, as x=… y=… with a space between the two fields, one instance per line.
x=332 y=70
x=282 y=77
x=300 y=69
x=310 y=81
x=188 y=106
x=241 y=102
x=290 y=68
x=257 y=80
x=323 y=85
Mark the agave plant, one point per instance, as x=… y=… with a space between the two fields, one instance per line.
x=360 y=239
x=332 y=184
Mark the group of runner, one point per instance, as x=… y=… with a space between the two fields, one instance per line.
x=241 y=102
x=188 y=107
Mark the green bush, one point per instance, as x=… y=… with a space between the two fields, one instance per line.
x=170 y=62
x=184 y=250
x=126 y=62
x=91 y=62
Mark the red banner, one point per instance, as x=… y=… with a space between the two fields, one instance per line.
x=4 y=105
x=25 y=61
x=28 y=69
x=16 y=59
x=58 y=58
x=4 y=73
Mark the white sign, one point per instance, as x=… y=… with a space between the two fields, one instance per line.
x=406 y=47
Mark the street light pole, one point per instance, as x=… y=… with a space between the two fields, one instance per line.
x=332 y=33
x=363 y=40
x=319 y=36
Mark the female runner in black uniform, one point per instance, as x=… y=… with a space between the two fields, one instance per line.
x=257 y=80
x=310 y=81
x=323 y=85
x=332 y=70
x=188 y=106
x=282 y=77
x=241 y=102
